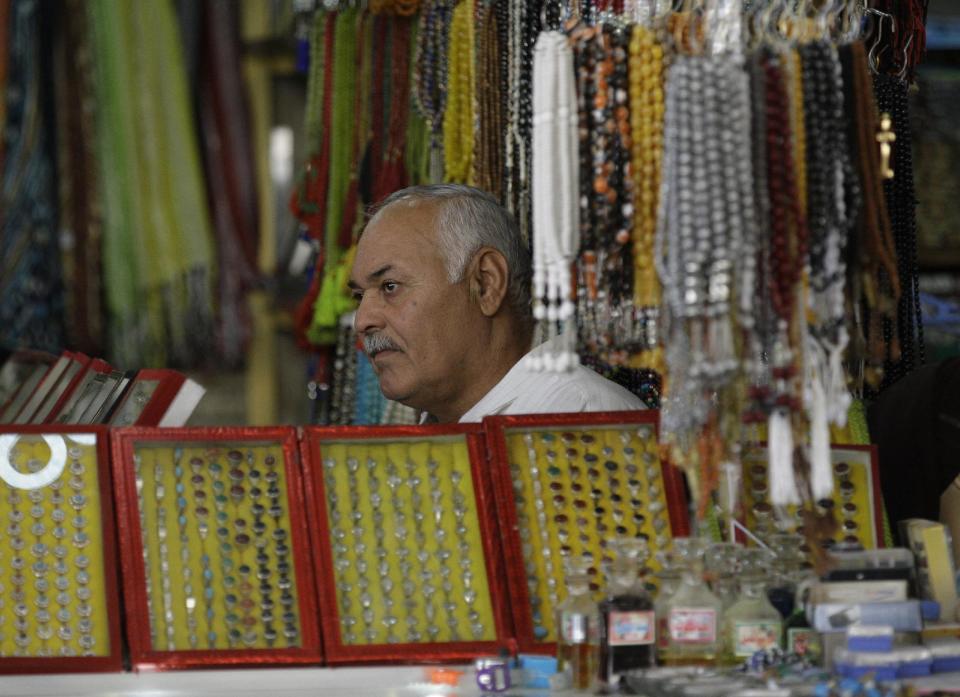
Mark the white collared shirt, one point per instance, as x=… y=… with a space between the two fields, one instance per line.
x=524 y=391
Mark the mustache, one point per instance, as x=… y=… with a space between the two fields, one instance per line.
x=375 y=343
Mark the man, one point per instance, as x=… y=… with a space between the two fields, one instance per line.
x=442 y=278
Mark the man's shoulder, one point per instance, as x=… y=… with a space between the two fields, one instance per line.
x=605 y=394
x=580 y=389
x=524 y=390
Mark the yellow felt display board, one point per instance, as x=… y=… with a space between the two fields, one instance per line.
x=853 y=506
x=53 y=601
x=218 y=575
x=406 y=540
x=576 y=489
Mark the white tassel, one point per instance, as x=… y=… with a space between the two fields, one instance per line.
x=815 y=390
x=840 y=398
x=783 y=485
x=555 y=194
x=821 y=475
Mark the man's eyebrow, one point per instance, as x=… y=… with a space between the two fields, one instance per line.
x=371 y=276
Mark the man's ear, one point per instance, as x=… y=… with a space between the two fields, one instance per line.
x=489 y=279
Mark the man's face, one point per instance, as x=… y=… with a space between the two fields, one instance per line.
x=415 y=323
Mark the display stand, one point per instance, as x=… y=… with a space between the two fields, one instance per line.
x=567 y=484
x=60 y=607
x=408 y=559
x=856 y=499
x=216 y=563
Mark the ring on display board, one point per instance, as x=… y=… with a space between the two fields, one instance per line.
x=856 y=501
x=60 y=607
x=216 y=567
x=408 y=559
x=566 y=485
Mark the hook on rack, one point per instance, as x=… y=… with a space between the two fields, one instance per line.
x=902 y=73
x=873 y=55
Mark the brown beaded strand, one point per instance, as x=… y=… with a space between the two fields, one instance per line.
x=879 y=278
x=488 y=162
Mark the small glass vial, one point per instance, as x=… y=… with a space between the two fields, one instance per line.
x=671 y=572
x=752 y=623
x=798 y=636
x=578 y=628
x=628 y=619
x=688 y=620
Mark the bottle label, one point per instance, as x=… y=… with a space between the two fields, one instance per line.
x=631 y=628
x=693 y=625
x=750 y=637
x=801 y=641
x=573 y=627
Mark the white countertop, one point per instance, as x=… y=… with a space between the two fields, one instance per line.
x=380 y=681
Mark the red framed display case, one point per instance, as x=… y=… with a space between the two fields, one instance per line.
x=60 y=393
x=221 y=511
x=42 y=389
x=857 y=499
x=158 y=397
x=83 y=393
x=570 y=464
x=19 y=376
x=405 y=531
x=61 y=606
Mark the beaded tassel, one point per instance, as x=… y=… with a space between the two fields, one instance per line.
x=555 y=200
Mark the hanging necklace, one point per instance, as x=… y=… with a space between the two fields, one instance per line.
x=392 y=174
x=891 y=95
x=430 y=76
x=646 y=118
x=830 y=186
x=555 y=198
x=788 y=250
x=458 y=117
x=605 y=268
x=879 y=293
x=488 y=149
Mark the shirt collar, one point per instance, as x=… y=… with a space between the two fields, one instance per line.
x=500 y=395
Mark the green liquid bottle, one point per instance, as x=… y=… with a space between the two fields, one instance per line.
x=752 y=623
x=688 y=620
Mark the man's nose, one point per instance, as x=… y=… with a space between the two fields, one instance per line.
x=368 y=317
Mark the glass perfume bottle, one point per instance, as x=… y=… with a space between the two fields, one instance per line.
x=668 y=578
x=688 y=619
x=751 y=624
x=721 y=566
x=628 y=621
x=787 y=570
x=578 y=627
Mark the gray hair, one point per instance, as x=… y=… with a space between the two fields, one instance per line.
x=468 y=219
